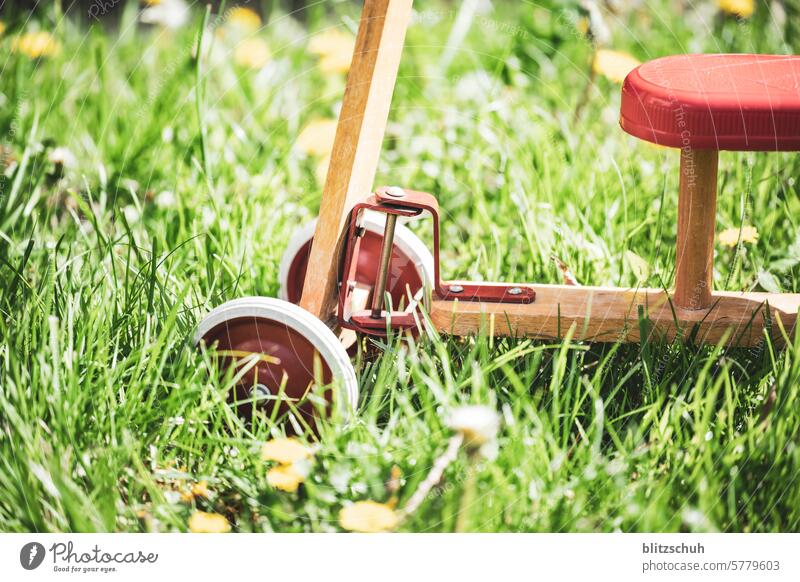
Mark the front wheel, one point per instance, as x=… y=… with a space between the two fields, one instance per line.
x=279 y=352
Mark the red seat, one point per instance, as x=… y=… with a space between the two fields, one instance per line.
x=715 y=102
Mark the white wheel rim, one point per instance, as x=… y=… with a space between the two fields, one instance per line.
x=299 y=239
x=301 y=321
x=408 y=243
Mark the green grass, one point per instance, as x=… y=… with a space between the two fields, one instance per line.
x=106 y=407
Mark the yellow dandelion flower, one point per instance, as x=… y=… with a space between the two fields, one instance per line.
x=252 y=53
x=331 y=41
x=335 y=50
x=243 y=18
x=582 y=25
x=285 y=451
x=750 y=234
x=202 y=522
x=196 y=490
x=201 y=490
x=285 y=477
x=317 y=137
x=2 y=27
x=614 y=65
x=730 y=236
x=36 y=44
x=368 y=517
x=336 y=63
x=740 y=8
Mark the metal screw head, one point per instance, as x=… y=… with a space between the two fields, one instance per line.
x=456 y=288
x=515 y=291
x=395 y=192
x=260 y=391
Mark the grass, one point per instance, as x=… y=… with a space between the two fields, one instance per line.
x=179 y=201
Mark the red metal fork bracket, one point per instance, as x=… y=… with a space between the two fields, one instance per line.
x=409 y=203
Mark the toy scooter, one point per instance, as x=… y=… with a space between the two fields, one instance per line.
x=361 y=270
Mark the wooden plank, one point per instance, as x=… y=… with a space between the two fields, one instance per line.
x=607 y=314
x=697 y=213
x=357 y=146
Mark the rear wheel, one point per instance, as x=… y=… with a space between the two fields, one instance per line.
x=280 y=351
x=411 y=265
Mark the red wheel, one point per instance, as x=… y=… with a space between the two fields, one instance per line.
x=411 y=267
x=279 y=346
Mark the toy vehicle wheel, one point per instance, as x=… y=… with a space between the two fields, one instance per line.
x=281 y=352
x=411 y=266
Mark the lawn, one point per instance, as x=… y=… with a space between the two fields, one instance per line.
x=142 y=187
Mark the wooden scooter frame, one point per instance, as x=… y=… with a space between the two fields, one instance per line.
x=693 y=311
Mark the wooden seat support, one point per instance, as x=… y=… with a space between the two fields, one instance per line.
x=697 y=210
x=702 y=104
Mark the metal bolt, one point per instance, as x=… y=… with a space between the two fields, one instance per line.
x=395 y=192
x=515 y=291
x=456 y=288
x=260 y=391
x=383 y=268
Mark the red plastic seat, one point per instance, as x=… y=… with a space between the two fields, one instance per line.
x=715 y=102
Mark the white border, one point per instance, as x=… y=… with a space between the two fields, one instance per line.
x=406 y=557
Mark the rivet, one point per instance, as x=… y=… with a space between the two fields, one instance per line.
x=395 y=192
x=260 y=391
x=515 y=291
x=456 y=288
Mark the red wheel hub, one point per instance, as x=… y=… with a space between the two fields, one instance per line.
x=283 y=351
x=402 y=273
